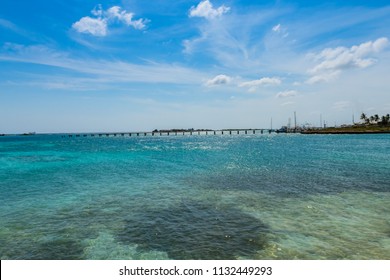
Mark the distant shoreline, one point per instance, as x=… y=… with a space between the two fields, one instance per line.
x=349 y=130
x=357 y=129
x=346 y=132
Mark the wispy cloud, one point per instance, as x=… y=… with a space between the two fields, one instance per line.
x=332 y=61
x=276 y=28
x=98 y=25
x=232 y=45
x=205 y=9
x=262 y=82
x=279 y=29
x=287 y=93
x=9 y=25
x=220 y=40
x=103 y=70
x=253 y=85
x=21 y=31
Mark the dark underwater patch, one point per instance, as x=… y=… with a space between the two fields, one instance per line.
x=59 y=249
x=196 y=231
x=56 y=249
x=285 y=183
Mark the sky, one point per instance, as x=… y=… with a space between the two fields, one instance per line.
x=133 y=65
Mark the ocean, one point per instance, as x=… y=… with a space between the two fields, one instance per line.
x=261 y=196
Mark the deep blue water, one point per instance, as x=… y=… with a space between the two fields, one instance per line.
x=195 y=197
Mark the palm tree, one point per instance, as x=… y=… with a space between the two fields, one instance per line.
x=384 y=120
x=376 y=117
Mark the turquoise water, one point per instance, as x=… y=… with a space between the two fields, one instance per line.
x=195 y=197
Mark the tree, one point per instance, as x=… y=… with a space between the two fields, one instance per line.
x=384 y=120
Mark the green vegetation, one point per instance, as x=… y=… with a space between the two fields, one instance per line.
x=375 y=119
x=372 y=124
x=349 y=130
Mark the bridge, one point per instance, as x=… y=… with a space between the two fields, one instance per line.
x=174 y=132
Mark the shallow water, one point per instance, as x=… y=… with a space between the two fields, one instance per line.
x=195 y=197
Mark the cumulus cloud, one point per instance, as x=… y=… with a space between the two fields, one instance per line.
x=219 y=80
x=98 y=26
x=287 y=93
x=93 y=26
x=116 y=13
x=332 y=61
x=205 y=9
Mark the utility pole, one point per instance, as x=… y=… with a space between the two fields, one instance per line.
x=295 y=121
x=320 y=120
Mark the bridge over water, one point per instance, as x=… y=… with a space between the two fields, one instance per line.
x=174 y=133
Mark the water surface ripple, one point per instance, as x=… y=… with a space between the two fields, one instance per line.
x=195 y=197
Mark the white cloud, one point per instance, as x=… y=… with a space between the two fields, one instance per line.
x=205 y=9
x=279 y=29
x=97 y=11
x=324 y=77
x=18 y=30
x=262 y=82
x=333 y=61
x=190 y=45
x=255 y=84
x=8 y=25
x=287 y=93
x=99 y=26
x=102 y=71
x=93 y=26
x=276 y=28
x=219 y=80
x=116 y=13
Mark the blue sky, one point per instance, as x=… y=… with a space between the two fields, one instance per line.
x=94 y=65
